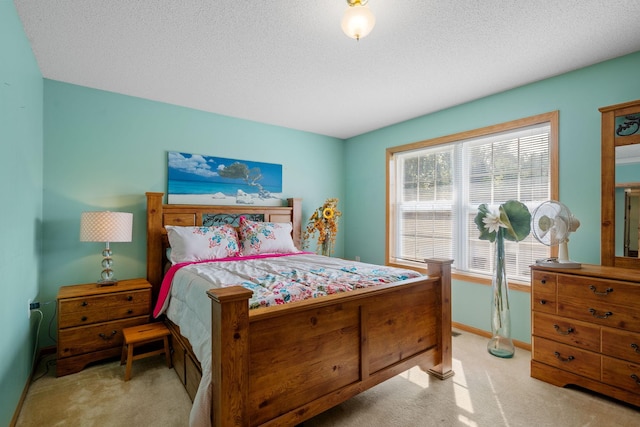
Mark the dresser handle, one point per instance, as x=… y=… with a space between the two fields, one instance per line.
x=129 y=298
x=84 y=303
x=129 y=311
x=567 y=359
x=596 y=292
x=604 y=316
x=635 y=348
x=567 y=332
x=543 y=301
x=543 y=281
x=108 y=337
x=84 y=318
x=635 y=378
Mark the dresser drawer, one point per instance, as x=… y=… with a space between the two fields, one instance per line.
x=565 y=357
x=607 y=314
x=541 y=281
x=543 y=301
x=620 y=373
x=598 y=290
x=567 y=331
x=100 y=336
x=622 y=344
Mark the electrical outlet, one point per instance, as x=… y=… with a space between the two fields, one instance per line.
x=357 y=258
x=32 y=305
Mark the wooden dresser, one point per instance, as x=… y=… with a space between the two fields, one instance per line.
x=586 y=329
x=91 y=319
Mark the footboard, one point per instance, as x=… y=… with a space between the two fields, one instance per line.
x=283 y=365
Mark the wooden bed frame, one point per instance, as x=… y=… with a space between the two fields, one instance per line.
x=285 y=364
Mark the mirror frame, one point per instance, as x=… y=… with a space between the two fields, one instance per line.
x=608 y=210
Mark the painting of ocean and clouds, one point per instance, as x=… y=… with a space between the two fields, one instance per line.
x=206 y=180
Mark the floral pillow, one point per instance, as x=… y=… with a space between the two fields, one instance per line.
x=265 y=237
x=202 y=243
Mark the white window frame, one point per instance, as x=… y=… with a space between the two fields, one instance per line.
x=462 y=231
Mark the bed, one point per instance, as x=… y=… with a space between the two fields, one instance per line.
x=284 y=364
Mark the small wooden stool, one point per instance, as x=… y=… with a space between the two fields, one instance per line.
x=143 y=334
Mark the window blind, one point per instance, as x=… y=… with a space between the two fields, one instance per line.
x=437 y=190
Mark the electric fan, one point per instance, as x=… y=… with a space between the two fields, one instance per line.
x=551 y=224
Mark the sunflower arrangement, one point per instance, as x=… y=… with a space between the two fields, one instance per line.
x=324 y=222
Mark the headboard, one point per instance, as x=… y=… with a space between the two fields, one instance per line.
x=160 y=214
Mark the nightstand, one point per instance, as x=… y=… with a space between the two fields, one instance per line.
x=91 y=319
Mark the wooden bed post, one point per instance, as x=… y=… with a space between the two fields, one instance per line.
x=154 y=241
x=442 y=268
x=296 y=204
x=230 y=356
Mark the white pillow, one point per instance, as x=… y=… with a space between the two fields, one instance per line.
x=265 y=237
x=190 y=244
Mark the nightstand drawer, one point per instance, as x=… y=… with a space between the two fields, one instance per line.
x=84 y=304
x=568 y=358
x=79 y=318
x=100 y=336
x=128 y=311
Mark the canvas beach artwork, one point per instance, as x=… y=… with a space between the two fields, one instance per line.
x=205 y=180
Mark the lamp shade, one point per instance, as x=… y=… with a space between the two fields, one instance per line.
x=358 y=21
x=106 y=226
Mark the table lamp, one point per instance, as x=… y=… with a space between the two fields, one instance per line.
x=106 y=227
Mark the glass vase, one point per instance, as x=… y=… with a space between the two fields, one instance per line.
x=325 y=247
x=500 y=344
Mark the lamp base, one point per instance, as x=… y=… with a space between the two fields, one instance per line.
x=111 y=282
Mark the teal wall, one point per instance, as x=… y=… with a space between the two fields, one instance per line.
x=577 y=96
x=20 y=205
x=103 y=151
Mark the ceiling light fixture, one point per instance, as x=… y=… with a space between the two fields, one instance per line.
x=358 y=21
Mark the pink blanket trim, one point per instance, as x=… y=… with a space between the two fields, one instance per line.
x=165 y=287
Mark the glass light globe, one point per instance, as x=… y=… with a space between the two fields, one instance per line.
x=358 y=21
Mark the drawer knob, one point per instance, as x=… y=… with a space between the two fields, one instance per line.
x=129 y=311
x=84 y=318
x=635 y=348
x=108 y=337
x=543 y=281
x=561 y=332
x=596 y=292
x=84 y=303
x=563 y=359
x=595 y=314
x=635 y=378
x=543 y=301
x=129 y=298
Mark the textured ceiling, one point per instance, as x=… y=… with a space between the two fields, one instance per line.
x=288 y=63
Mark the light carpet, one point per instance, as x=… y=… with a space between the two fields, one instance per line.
x=485 y=391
